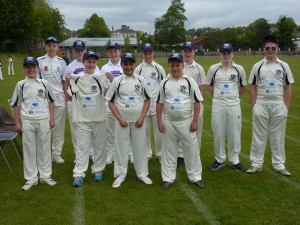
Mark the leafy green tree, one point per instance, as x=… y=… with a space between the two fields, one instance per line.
x=260 y=28
x=127 y=45
x=95 y=26
x=169 y=29
x=140 y=38
x=285 y=27
x=108 y=42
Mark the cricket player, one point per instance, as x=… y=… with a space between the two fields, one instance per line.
x=33 y=106
x=10 y=66
x=153 y=74
x=270 y=95
x=52 y=70
x=226 y=83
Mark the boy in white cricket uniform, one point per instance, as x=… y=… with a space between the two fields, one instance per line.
x=76 y=67
x=226 y=83
x=194 y=70
x=89 y=117
x=270 y=95
x=52 y=70
x=112 y=68
x=153 y=74
x=10 y=66
x=129 y=100
x=33 y=101
x=180 y=98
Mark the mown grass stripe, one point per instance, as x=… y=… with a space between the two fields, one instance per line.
x=78 y=211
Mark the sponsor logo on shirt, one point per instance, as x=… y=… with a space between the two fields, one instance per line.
x=45 y=68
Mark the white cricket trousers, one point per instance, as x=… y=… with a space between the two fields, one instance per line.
x=11 y=69
x=1 y=77
x=58 y=132
x=227 y=121
x=158 y=136
x=136 y=136
x=36 y=149
x=73 y=129
x=111 y=120
x=198 y=132
x=268 y=121
x=180 y=131
x=93 y=133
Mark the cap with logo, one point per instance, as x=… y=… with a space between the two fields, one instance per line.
x=189 y=44
x=126 y=56
x=268 y=37
x=175 y=56
x=79 y=45
x=54 y=39
x=89 y=54
x=30 y=60
x=226 y=46
x=113 y=45
x=147 y=46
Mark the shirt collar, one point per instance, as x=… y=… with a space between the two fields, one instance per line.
x=190 y=65
x=32 y=80
x=152 y=63
x=183 y=76
x=118 y=64
x=232 y=64
x=267 y=61
x=49 y=58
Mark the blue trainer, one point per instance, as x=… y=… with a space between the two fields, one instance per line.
x=77 y=182
x=98 y=176
x=216 y=165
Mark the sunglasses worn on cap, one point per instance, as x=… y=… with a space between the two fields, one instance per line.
x=270 y=48
x=51 y=39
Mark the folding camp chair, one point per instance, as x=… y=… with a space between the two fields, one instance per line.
x=6 y=119
x=8 y=137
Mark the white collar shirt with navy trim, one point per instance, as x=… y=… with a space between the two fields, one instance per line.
x=270 y=78
x=195 y=71
x=52 y=70
x=129 y=94
x=33 y=97
x=178 y=97
x=226 y=83
x=88 y=97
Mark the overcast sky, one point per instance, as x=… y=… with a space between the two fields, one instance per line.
x=141 y=14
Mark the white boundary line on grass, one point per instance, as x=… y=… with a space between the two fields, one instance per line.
x=198 y=203
x=78 y=212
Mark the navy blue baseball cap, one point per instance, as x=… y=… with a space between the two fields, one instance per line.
x=54 y=39
x=189 y=44
x=175 y=56
x=148 y=46
x=79 y=45
x=226 y=46
x=126 y=56
x=30 y=60
x=113 y=45
x=268 y=37
x=89 y=54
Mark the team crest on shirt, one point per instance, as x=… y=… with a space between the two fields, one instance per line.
x=137 y=87
x=232 y=77
x=153 y=76
x=278 y=74
x=93 y=88
x=182 y=89
x=40 y=92
x=45 y=68
x=58 y=69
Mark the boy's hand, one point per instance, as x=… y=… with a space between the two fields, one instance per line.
x=51 y=123
x=19 y=127
x=110 y=76
x=123 y=123
x=68 y=76
x=139 y=122
x=161 y=127
x=193 y=126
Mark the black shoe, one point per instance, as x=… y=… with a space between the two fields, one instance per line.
x=180 y=161
x=166 y=184
x=216 y=165
x=238 y=167
x=200 y=184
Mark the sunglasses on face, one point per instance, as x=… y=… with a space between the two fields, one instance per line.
x=52 y=39
x=270 y=48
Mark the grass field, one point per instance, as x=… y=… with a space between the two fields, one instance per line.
x=230 y=197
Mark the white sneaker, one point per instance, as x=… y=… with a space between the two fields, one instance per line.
x=48 y=181
x=118 y=182
x=57 y=159
x=146 y=180
x=109 y=159
x=92 y=158
x=28 y=185
x=130 y=158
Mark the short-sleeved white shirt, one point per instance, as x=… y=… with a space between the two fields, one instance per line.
x=226 y=83
x=116 y=70
x=270 y=79
x=129 y=94
x=178 y=97
x=88 y=97
x=75 y=68
x=195 y=71
x=52 y=70
x=33 y=97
